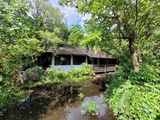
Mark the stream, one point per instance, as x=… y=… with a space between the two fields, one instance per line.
x=56 y=106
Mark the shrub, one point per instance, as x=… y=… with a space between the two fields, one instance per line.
x=81 y=73
x=53 y=75
x=76 y=74
x=90 y=106
x=33 y=74
x=9 y=95
x=147 y=73
x=134 y=95
x=135 y=102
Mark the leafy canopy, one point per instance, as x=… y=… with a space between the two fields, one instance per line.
x=24 y=34
x=120 y=27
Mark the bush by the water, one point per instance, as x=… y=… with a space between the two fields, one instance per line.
x=135 y=95
x=53 y=75
x=33 y=74
x=80 y=73
x=37 y=75
x=8 y=94
x=90 y=106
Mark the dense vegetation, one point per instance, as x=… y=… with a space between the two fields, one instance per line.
x=129 y=30
x=26 y=30
x=135 y=95
x=37 y=76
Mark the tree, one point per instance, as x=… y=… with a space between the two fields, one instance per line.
x=22 y=39
x=47 y=17
x=131 y=29
x=130 y=21
x=76 y=34
x=15 y=41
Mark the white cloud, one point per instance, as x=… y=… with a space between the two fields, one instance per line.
x=54 y=2
x=85 y=17
x=71 y=14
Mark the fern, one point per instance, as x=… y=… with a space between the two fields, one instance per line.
x=135 y=102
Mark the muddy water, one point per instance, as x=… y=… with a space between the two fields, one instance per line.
x=73 y=110
x=60 y=105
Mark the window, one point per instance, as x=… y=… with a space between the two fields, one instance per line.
x=102 y=61
x=95 y=61
x=63 y=60
x=90 y=60
x=77 y=60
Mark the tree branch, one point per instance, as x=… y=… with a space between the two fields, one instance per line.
x=136 y=7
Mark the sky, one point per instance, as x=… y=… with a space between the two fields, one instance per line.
x=71 y=15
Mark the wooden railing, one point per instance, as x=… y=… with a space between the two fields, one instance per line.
x=103 y=68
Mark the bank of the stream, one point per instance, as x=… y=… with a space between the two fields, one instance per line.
x=59 y=101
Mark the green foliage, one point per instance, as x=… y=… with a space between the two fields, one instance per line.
x=120 y=27
x=16 y=45
x=81 y=95
x=36 y=75
x=90 y=106
x=148 y=73
x=135 y=95
x=77 y=38
x=53 y=75
x=135 y=102
x=23 y=36
x=9 y=94
x=46 y=17
x=33 y=74
x=83 y=72
x=15 y=48
x=49 y=39
x=76 y=35
x=75 y=74
x=93 y=40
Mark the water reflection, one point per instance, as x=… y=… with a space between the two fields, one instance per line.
x=74 y=113
x=59 y=106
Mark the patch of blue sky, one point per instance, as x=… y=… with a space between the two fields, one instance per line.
x=71 y=16
x=79 y=21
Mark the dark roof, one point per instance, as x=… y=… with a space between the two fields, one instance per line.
x=68 y=50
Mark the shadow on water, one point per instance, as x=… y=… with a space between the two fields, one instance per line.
x=57 y=103
x=73 y=112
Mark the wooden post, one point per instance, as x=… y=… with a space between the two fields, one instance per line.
x=71 y=61
x=53 y=60
x=98 y=62
x=105 y=66
x=86 y=60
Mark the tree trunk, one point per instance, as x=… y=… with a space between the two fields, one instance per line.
x=133 y=54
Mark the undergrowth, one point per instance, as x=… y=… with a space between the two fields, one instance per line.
x=37 y=76
x=135 y=95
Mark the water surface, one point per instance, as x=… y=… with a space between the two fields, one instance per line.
x=46 y=104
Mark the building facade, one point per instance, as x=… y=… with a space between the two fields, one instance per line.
x=67 y=57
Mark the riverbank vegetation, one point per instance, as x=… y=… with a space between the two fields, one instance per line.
x=27 y=29
x=37 y=75
x=135 y=95
x=127 y=29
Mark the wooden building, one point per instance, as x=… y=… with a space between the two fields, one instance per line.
x=67 y=57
